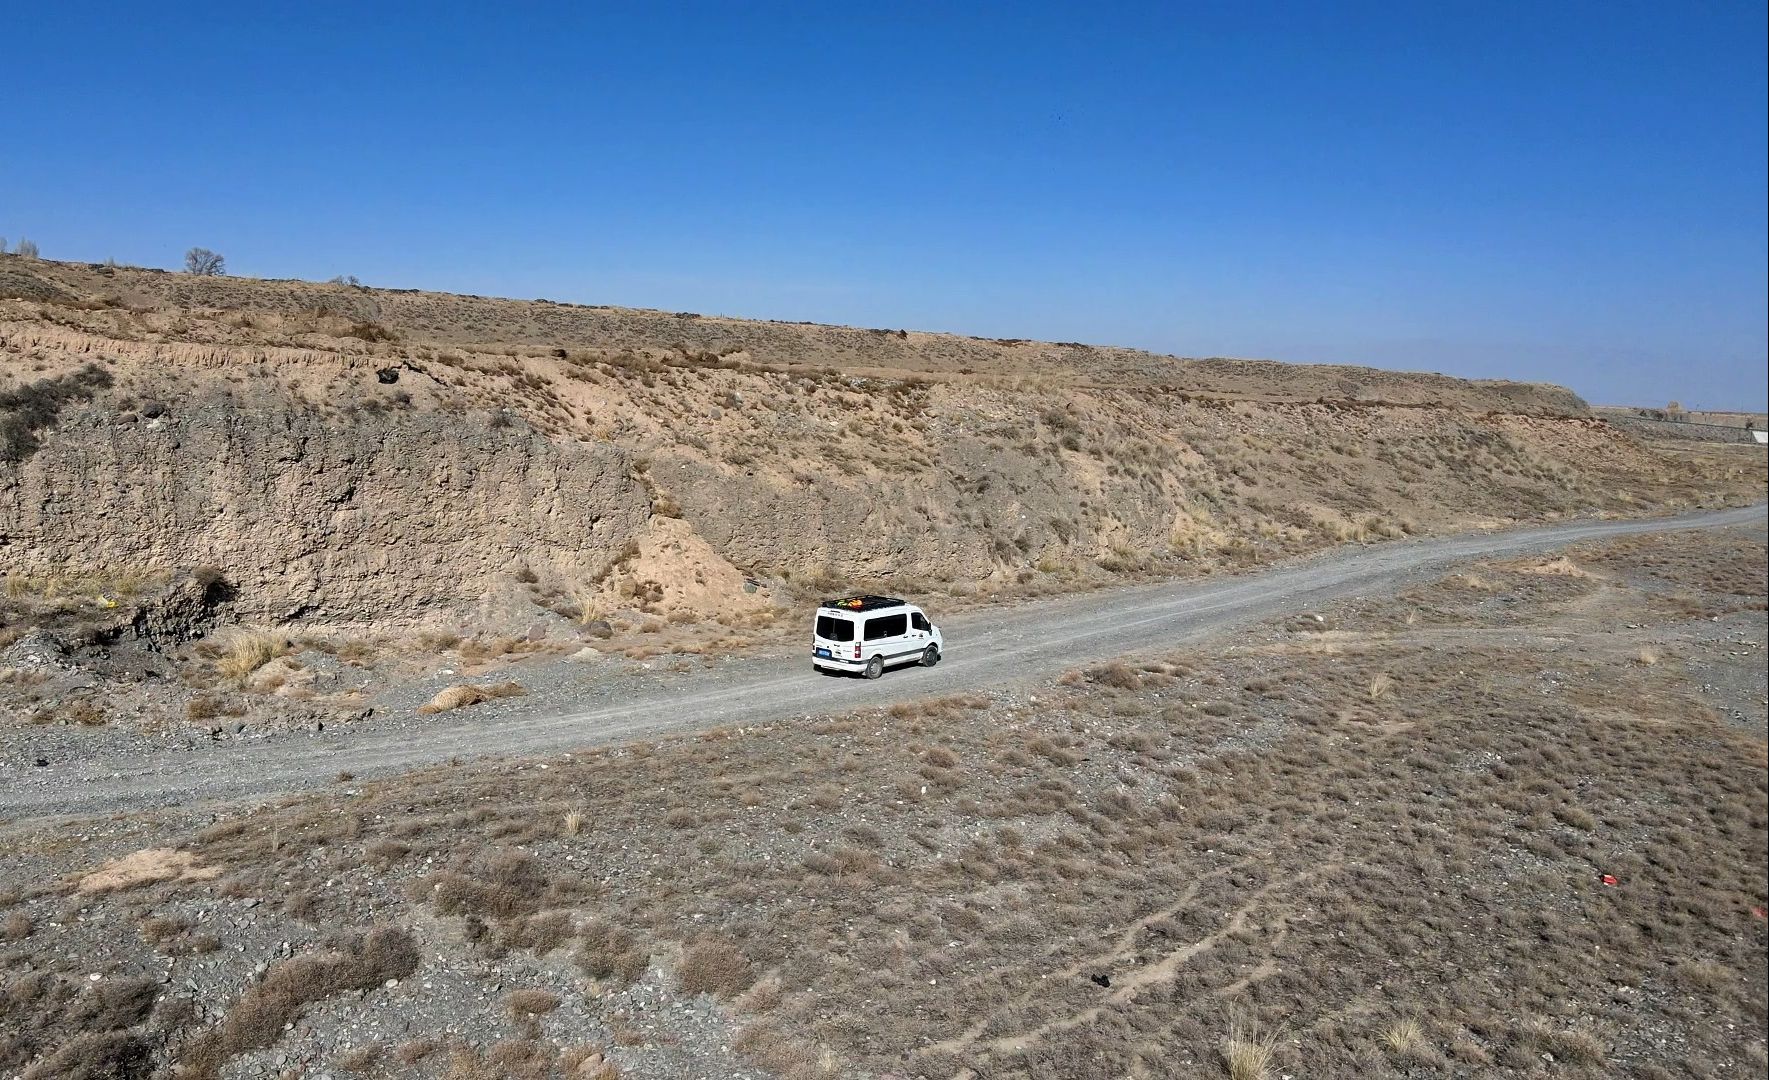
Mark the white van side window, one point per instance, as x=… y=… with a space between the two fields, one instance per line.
x=887 y=626
x=919 y=621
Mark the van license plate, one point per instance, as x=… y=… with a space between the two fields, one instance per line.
x=823 y=652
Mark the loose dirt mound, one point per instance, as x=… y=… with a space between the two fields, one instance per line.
x=1561 y=567
x=459 y=697
x=146 y=867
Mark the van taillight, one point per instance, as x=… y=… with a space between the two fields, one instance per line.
x=856 y=650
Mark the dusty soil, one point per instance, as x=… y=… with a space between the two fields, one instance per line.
x=1507 y=821
x=375 y=719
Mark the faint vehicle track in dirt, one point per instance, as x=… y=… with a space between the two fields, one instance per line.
x=988 y=648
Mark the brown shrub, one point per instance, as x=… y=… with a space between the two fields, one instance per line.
x=714 y=967
x=540 y=934
x=257 y=1019
x=1117 y=674
x=362 y=1060
x=609 y=952
x=529 y=1002
x=98 y=1055
x=495 y=882
x=18 y=927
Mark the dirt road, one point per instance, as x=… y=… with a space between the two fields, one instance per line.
x=986 y=648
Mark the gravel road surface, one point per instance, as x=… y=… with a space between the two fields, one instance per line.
x=986 y=648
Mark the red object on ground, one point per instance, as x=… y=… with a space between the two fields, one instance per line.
x=1760 y=913
x=1609 y=879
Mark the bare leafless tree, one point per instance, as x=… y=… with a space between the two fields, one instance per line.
x=204 y=263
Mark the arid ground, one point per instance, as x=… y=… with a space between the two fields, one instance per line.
x=398 y=684
x=1508 y=822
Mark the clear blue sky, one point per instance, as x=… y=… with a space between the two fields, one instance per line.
x=1572 y=192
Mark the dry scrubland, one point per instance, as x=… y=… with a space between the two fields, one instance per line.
x=1371 y=842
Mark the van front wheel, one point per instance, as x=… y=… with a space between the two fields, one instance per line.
x=930 y=656
x=875 y=667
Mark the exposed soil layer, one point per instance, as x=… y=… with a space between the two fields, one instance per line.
x=340 y=456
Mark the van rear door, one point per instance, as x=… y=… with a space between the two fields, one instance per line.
x=833 y=637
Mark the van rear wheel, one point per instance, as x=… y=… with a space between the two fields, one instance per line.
x=875 y=667
x=930 y=656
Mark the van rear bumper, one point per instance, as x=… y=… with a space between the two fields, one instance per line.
x=836 y=663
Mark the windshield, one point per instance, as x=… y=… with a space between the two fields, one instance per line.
x=833 y=629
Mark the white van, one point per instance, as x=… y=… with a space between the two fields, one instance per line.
x=870 y=633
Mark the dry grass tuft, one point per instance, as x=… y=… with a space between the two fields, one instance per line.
x=362 y=1060
x=458 y=697
x=1381 y=686
x=1117 y=674
x=1405 y=1037
x=528 y=1003
x=245 y=651
x=1248 y=1051
x=714 y=967
x=98 y=1055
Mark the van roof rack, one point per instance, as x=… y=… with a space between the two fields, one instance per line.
x=863 y=603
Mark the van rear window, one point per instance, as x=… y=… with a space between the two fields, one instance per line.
x=831 y=628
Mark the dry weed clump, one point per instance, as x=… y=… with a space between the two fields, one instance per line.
x=245 y=651
x=531 y=1002
x=1247 y=1050
x=458 y=697
x=499 y=882
x=611 y=952
x=1405 y=1037
x=98 y=1054
x=17 y=927
x=1381 y=686
x=256 y=1020
x=362 y=1060
x=714 y=967
x=1116 y=674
